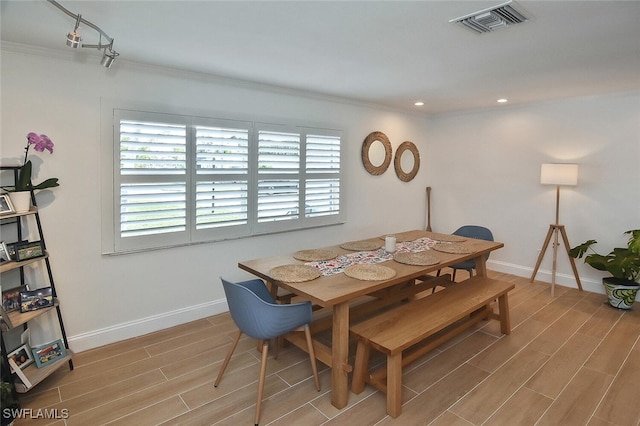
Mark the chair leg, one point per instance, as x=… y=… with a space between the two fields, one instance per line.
x=227 y=358
x=276 y=347
x=263 y=370
x=453 y=277
x=312 y=356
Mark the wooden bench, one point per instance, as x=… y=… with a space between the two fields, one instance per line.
x=420 y=326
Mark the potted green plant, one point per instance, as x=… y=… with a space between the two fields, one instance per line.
x=9 y=403
x=8 y=397
x=623 y=263
x=20 y=194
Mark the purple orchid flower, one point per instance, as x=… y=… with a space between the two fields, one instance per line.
x=40 y=143
x=44 y=143
x=33 y=138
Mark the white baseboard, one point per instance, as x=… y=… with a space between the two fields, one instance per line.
x=118 y=332
x=564 y=280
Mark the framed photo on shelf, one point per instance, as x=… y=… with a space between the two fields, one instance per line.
x=11 y=298
x=4 y=253
x=5 y=204
x=28 y=250
x=21 y=356
x=32 y=300
x=49 y=353
x=11 y=249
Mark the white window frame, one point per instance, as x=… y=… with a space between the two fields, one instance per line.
x=113 y=243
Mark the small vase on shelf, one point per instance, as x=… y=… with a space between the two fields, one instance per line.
x=21 y=201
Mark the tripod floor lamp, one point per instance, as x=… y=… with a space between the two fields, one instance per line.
x=557 y=174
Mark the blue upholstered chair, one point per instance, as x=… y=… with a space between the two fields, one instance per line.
x=257 y=315
x=471 y=231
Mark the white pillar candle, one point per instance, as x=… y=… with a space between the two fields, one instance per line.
x=390 y=244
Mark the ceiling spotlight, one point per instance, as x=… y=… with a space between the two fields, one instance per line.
x=108 y=58
x=502 y=101
x=419 y=103
x=73 y=38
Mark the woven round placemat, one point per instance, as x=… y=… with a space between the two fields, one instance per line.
x=452 y=248
x=450 y=238
x=367 y=272
x=314 y=255
x=294 y=273
x=421 y=258
x=410 y=235
x=361 y=245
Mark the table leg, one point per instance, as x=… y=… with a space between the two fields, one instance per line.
x=340 y=356
x=481 y=266
x=273 y=289
x=505 y=320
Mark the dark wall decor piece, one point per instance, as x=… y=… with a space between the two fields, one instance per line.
x=366 y=146
x=397 y=161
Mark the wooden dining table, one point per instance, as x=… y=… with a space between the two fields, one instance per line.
x=338 y=293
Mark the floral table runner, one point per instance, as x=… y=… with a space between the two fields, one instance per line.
x=337 y=265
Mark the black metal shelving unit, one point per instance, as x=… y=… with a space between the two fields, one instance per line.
x=15 y=319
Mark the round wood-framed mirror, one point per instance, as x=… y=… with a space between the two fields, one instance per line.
x=407 y=158
x=375 y=145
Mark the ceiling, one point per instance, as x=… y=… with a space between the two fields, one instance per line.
x=389 y=53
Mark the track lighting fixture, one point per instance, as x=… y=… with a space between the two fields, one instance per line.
x=73 y=38
x=108 y=58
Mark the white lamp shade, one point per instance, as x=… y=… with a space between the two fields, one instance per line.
x=559 y=174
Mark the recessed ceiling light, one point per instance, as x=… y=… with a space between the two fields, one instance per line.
x=503 y=101
x=419 y=103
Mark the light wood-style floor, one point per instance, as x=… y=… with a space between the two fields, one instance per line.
x=570 y=360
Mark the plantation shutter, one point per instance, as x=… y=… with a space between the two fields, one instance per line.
x=222 y=169
x=182 y=180
x=322 y=185
x=278 y=176
x=152 y=178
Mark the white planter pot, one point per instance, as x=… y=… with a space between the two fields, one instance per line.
x=21 y=201
x=621 y=293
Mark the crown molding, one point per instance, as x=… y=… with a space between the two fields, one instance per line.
x=125 y=64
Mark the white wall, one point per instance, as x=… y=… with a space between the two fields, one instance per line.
x=483 y=167
x=107 y=298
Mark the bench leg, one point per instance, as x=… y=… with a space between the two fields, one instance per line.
x=505 y=319
x=361 y=367
x=394 y=384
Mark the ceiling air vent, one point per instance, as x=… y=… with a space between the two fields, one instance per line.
x=487 y=20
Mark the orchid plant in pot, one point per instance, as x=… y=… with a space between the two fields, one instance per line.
x=20 y=194
x=623 y=263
